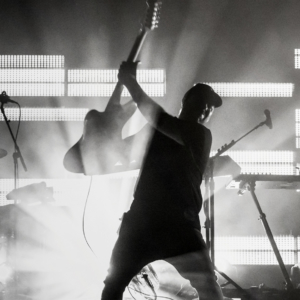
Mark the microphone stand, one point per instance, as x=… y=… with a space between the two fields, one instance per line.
x=17 y=153
x=210 y=206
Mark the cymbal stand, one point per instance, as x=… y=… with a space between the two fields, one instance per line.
x=251 y=187
x=209 y=208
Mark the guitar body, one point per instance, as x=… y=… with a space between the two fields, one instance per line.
x=101 y=146
x=101 y=149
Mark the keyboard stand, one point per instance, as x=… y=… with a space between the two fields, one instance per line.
x=251 y=187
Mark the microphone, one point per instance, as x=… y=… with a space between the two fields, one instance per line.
x=5 y=99
x=268 y=121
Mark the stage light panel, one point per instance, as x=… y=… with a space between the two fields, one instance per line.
x=32 y=61
x=297 y=142
x=274 y=169
x=297 y=118
x=263 y=162
x=32 y=75
x=46 y=114
x=111 y=76
x=261 y=156
x=120 y=175
x=92 y=76
x=231 y=243
x=105 y=90
x=298 y=129
x=255 y=250
x=33 y=89
x=297 y=113
x=101 y=83
x=297 y=58
x=243 y=89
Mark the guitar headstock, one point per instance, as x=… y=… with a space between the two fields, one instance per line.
x=152 y=15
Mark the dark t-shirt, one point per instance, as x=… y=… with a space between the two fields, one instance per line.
x=168 y=188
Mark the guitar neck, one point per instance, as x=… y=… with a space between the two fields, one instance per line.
x=137 y=46
x=134 y=53
x=150 y=23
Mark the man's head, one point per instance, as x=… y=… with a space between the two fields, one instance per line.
x=199 y=102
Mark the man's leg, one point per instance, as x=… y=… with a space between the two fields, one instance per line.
x=195 y=264
x=130 y=254
x=197 y=268
x=126 y=261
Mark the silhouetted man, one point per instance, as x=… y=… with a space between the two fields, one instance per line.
x=163 y=220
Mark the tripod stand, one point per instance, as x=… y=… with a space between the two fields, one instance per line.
x=251 y=187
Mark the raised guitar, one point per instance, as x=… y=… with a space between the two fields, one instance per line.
x=101 y=149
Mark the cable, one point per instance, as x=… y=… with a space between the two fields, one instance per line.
x=83 y=216
x=163 y=297
x=145 y=276
x=131 y=293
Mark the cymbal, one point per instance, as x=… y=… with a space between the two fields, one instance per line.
x=3 y=153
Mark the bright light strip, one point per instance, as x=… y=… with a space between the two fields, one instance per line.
x=65 y=190
x=255 y=250
x=111 y=76
x=297 y=111
x=297 y=58
x=119 y=175
x=264 y=162
x=106 y=89
x=260 y=156
x=101 y=83
x=240 y=89
x=32 y=61
x=238 y=243
x=33 y=89
x=31 y=75
x=297 y=119
x=298 y=129
x=273 y=169
x=46 y=114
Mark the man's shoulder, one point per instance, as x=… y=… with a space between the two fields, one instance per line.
x=194 y=127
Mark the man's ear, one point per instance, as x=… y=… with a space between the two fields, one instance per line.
x=207 y=112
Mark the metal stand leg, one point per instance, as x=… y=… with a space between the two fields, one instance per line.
x=212 y=220
x=239 y=288
x=289 y=284
x=210 y=233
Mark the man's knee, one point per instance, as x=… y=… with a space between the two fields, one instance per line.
x=113 y=290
